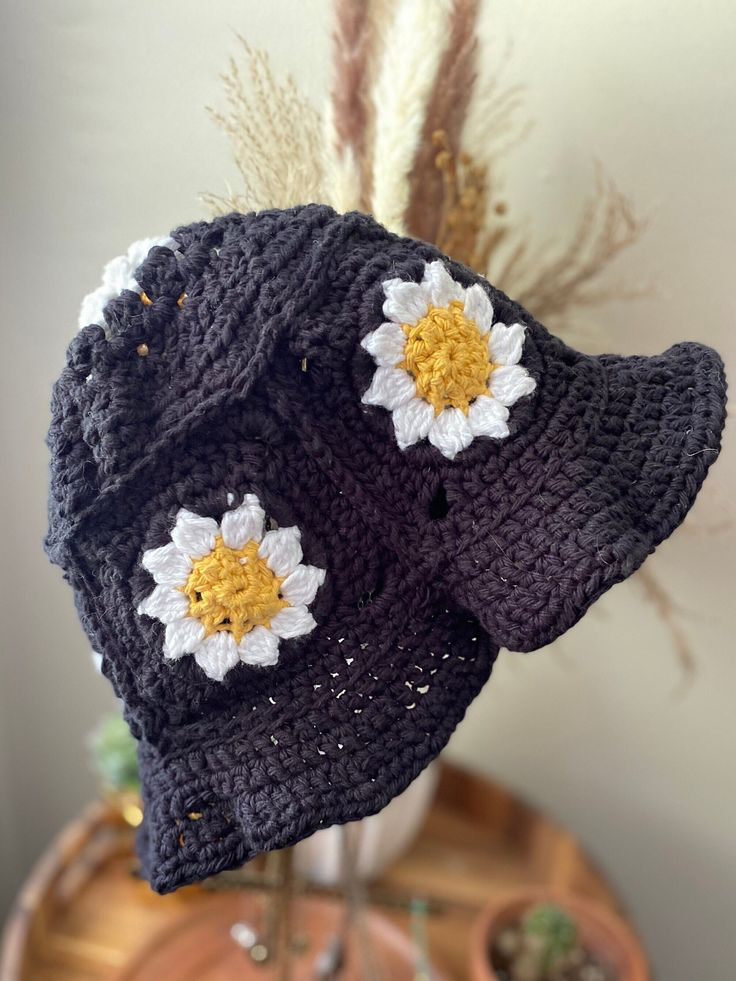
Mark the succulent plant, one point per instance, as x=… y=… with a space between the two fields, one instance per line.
x=114 y=754
x=550 y=932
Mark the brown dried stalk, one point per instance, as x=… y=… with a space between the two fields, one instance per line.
x=550 y=282
x=494 y=125
x=667 y=611
x=550 y=286
x=453 y=192
x=461 y=218
x=445 y=113
x=406 y=76
x=275 y=134
x=360 y=26
x=350 y=55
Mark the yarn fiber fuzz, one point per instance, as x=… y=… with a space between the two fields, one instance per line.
x=307 y=477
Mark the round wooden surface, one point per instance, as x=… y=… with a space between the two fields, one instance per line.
x=200 y=947
x=84 y=914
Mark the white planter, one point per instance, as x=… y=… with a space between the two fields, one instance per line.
x=375 y=841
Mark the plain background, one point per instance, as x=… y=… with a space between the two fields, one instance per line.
x=105 y=140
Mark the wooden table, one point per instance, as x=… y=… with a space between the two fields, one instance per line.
x=83 y=915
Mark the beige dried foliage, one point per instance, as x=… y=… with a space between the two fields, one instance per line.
x=496 y=121
x=460 y=221
x=551 y=281
x=412 y=134
x=275 y=134
x=669 y=615
x=359 y=29
x=484 y=121
x=445 y=114
x=412 y=53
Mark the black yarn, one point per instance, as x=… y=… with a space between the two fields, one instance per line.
x=254 y=385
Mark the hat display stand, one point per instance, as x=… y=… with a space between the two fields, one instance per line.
x=301 y=912
x=85 y=912
x=271 y=923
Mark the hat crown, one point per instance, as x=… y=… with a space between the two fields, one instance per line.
x=439 y=475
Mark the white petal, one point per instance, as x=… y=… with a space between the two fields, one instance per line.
x=511 y=382
x=217 y=654
x=244 y=523
x=138 y=251
x=117 y=275
x=293 y=621
x=450 y=432
x=391 y=387
x=259 y=647
x=165 y=604
x=442 y=287
x=183 y=637
x=405 y=302
x=478 y=307
x=487 y=417
x=93 y=305
x=281 y=550
x=167 y=565
x=302 y=585
x=412 y=421
x=386 y=344
x=193 y=534
x=505 y=343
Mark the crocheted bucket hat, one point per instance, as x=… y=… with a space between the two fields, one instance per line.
x=307 y=477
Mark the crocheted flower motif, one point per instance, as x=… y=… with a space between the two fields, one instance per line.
x=229 y=593
x=118 y=276
x=445 y=371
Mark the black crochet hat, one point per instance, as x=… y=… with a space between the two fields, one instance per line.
x=307 y=478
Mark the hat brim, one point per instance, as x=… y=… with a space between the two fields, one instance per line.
x=364 y=737
x=592 y=512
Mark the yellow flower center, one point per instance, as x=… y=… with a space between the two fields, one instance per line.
x=233 y=589
x=447 y=355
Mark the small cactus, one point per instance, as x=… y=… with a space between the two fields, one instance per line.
x=544 y=945
x=551 y=932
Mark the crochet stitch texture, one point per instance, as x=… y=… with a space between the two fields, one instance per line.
x=228 y=367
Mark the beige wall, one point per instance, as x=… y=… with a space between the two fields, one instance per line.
x=105 y=140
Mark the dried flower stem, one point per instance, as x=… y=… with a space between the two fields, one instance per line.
x=461 y=218
x=413 y=135
x=275 y=137
x=360 y=26
x=410 y=60
x=667 y=611
x=446 y=109
x=551 y=287
x=345 y=119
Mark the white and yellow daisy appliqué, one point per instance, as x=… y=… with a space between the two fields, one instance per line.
x=230 y=593
x=445 y=371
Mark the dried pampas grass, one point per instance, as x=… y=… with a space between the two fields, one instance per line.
x=417 y=133
x=275 y=135
x=551 y=281
x=410 y=60
x=445 y=114
x=349 y=112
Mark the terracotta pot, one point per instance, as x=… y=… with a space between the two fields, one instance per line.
x=603 y=933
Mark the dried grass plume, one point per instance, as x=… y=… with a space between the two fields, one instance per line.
x=275 y=135
x=410 y=61
x=415 y=131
